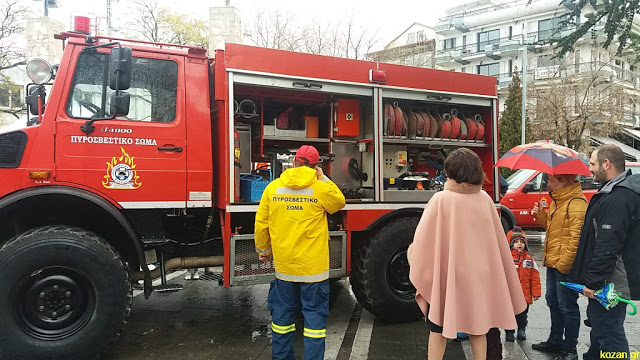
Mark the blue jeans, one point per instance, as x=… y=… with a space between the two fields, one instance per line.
x=565 y=313
x=607 y=329
x=285 y=300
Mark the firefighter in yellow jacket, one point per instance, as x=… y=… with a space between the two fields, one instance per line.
x=291 y=223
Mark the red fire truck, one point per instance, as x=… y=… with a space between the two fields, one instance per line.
x=141 y=153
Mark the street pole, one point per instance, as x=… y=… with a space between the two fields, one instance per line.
x=524 y=85
x=109 y=28
x=46 y=8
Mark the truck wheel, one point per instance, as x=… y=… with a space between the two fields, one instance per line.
x=506 y=224
x=66 y=294
x=380 y=273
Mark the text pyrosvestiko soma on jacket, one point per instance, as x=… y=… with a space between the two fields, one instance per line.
x=291 y=223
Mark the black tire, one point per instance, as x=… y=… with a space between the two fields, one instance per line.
x=380 y=273
x=71 y=272
x=506 y=224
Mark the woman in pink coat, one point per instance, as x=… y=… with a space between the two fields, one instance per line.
x=460 y=261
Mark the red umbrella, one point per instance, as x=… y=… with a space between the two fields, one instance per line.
x=546 y=157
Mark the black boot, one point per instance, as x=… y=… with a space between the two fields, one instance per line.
x=509 y=336
x=547 y=347
x=522 y=335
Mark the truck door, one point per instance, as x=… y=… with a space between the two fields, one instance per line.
x=138 y=159
x=536 y=192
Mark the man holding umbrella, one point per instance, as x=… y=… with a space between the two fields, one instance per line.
x=609 y=248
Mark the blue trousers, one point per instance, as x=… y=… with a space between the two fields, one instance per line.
x=607 y=330
x=285 y=301
x=564 y=309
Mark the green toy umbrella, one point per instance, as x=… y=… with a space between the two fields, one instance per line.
x=606 y=296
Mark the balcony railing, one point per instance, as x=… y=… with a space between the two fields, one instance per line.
x=485 y=10
x=514 y=42
x=606 y=70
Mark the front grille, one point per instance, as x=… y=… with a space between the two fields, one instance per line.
x=11 y=149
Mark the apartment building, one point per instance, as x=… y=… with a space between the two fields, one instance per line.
x=490 y=37
x=415 y=46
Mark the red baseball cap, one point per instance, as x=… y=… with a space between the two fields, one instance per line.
x=308 y=155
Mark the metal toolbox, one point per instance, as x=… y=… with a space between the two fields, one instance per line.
x=298 y=133
x=408 y=195
x=246 y=269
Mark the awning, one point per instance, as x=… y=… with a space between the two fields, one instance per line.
x=630 y=153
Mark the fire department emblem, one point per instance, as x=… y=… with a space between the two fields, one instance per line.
x=543 y=202
x=121 y=173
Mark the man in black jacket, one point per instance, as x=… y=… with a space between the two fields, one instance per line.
x=609 y=248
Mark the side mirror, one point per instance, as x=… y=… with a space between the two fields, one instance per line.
x=120 y=104
x=528 y=187
x=35 y=93
x=120 y=68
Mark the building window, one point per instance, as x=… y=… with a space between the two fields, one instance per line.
x=463 y=69
x=411 y=38
x=488 y=37
x=510 y=69
x=10 y=96
x=421 y=36
x=489 y=69
x=548 y=67
x=549 y=28
x=510 y=34
x=548 y=60
x=410 y=61
x=449 y=44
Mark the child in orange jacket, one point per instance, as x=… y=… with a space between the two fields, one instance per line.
x=529 y=277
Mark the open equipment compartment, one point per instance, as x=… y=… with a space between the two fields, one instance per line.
x=418 y=131
x=280 y=117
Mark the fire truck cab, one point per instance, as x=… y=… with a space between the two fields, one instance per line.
x=138 y=153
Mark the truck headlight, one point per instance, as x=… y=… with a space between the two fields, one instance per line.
x=39 y=71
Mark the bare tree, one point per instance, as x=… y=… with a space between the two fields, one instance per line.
x=573 y=101
x=357 y=42
x=279 y=30
x=275 y=30
x=152 y=22
x=12 y=55
x=146 y=20
x=318 y=38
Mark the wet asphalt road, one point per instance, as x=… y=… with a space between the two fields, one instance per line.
x=208 y=321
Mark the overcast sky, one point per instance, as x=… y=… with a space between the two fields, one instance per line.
x=388 y=17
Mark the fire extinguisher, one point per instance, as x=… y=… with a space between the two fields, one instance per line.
x=237 y=165
x=236 y=149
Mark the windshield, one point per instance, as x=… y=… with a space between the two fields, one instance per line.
x=519 y=177
x=153 y=89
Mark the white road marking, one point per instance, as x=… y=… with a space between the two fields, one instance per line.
x=174 y=274
x=512 y=351
x=360 y=348
x=466 y=346
x=338 y=321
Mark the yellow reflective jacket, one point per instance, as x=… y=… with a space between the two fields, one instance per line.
x=562 y=222
x=292 y=223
